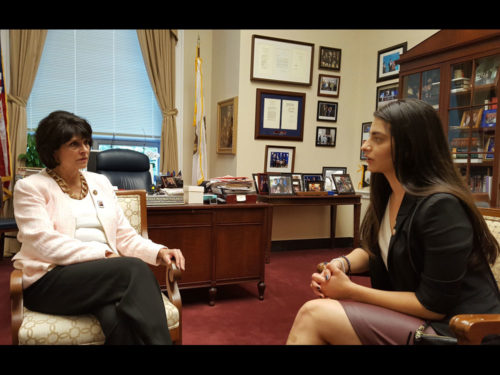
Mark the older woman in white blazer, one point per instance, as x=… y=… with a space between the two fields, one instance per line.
x=79 y=253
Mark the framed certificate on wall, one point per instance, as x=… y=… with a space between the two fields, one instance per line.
x=279 y=115
x=281 y=60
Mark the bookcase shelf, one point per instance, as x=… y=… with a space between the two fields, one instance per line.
x=466 y=64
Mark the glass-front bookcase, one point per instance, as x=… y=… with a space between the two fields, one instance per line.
x=461 y=81
x=472 y=113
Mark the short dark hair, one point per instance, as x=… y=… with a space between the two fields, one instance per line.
x=55 y=130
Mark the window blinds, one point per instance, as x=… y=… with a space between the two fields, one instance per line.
x=99 y=75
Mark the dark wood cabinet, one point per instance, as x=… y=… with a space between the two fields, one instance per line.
x=222 y=244
x=457 y=72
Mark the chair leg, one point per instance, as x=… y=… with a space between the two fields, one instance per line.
x=2 y=244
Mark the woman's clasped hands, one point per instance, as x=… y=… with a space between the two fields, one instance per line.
x=332 y=282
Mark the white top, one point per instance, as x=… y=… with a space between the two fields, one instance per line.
x=88 y=228
x=384 y=235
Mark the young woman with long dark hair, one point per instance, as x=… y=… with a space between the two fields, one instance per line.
x=425 y=244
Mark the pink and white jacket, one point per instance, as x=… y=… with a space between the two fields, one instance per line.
x=47 y=227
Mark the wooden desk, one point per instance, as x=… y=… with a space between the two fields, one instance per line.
x=222 y=244
x=323 y=200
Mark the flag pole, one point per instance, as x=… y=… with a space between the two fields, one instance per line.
x=198 y=47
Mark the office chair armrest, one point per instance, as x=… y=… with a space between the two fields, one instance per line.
x=16 y=303
x=470 y=329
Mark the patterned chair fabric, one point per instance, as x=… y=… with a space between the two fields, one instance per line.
x=494 y=226
x=45 y=329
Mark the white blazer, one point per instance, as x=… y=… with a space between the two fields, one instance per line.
x=47 y=227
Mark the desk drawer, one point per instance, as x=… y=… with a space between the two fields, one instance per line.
x=175 y=218
x=237 y=215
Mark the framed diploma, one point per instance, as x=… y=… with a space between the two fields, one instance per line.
x=281 y=60
x=279 y=115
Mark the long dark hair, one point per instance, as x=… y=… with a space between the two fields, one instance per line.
x=424 y=166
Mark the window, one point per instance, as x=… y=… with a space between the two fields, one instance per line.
x=99 y=75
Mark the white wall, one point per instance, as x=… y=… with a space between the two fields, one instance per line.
x=226 y=55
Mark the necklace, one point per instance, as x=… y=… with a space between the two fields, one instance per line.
x=65 y=188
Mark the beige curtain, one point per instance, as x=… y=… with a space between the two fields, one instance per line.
x=25 y=49
x=158 y=51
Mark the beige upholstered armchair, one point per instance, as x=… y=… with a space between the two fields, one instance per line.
x=34 y=328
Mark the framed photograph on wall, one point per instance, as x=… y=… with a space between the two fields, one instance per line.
x=280 y=184
x=365 y=134
x=281 y=61
x=343 y=183
x=326 y=136
x=279 y=159
x=386 y=94
x=328 y=85
x=327 y=111
x=387 y=66
x=329 y=58
x=227 y=124
x=279 y=115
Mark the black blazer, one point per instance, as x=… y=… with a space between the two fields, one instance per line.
x=440 y=244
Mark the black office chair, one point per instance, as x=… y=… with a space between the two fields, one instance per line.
x=126 y=169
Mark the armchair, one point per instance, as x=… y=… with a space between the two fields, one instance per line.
x=470 y=329
x=30 y=327
x=126 y=169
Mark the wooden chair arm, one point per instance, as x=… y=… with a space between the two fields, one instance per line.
x=470 y=329
x=172 y=277
x=16 y=303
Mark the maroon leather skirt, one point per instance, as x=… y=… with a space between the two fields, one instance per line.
x=376 y=325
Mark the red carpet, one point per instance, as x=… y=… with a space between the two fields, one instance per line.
x=238 y=317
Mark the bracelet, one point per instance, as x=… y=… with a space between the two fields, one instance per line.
x=348 y=264
x=342 y=263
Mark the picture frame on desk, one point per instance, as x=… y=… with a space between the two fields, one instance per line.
x=297 y=183
x=280 y=184
x=260 y=181
x=329 y=171
x=311 y=177
x=343 y=184
x=316 y=186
